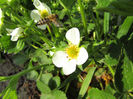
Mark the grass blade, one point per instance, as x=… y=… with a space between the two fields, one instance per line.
x=106 y=22
x=123 y=30
x=86 y=82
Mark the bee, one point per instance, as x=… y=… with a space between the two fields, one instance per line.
x=53 y=18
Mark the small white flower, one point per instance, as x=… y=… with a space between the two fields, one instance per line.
x=1 y=16
x=15 y=33
x=73 y=54
x=42 y=11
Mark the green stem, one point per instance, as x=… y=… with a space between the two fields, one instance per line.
x=67 y=86
x=62 y=4
x=40 y=73
x=33 y=46
x=111 y=70
x=83 y=16
x=21 y=73
x=52 y=38
x=36 y=47
x=47 y=41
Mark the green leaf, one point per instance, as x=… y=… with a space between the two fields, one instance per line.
x=95 y=93
x=41 y=57
x=33 y=74
x=122 y=7
x=59 y=94
x=86 y=82
x=110 y=60
x=123 y=76
x=10 y=90
x=55 y=94
x=54 y=82
x=109 y=89
x=20 y=58
x=3 y=1
x=43 y=87
x=46 y=96
x=10 y=94
x=5 y=42
x=90 y=27
x=45 y=78
x=62 y=13
x=123 y=30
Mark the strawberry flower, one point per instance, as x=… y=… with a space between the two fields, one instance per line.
x=73 y=55
x=41 y=11
x=15 y=33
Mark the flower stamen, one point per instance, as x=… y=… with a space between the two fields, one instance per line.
x=44 y=13
x=72 y=51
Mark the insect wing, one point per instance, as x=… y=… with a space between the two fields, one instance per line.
x=57 y=23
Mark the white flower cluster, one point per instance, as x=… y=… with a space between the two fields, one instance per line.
x=67 y=59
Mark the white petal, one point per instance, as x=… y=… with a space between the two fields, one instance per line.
x=17 y=32
x=43 y=27
x=69 y=67
x=83 y=56
x=73 y=36
x=38 y=4
x=41 y=6
x=14 y=38
x=35 y=15
x=9 y=31
x=59 y=58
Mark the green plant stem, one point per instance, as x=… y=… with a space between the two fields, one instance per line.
x=37 y=48
x=67 y=86
x=101 y=84
x=20 y=73
x=40 y=73
x=70 y=18
x=34 y=46
x=62 y=4
x=50 y=32
x=40 y=45
x=111 y=70
x=46 y=41
x=83 y=15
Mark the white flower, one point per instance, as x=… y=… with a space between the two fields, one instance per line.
x=15 y=33
x=1 y=16
x=73 y=54
x=42 y=11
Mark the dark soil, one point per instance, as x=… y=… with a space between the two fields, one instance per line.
x=26 y=89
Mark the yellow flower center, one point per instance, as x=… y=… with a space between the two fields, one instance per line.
x=72 y=51
x=44 y=13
